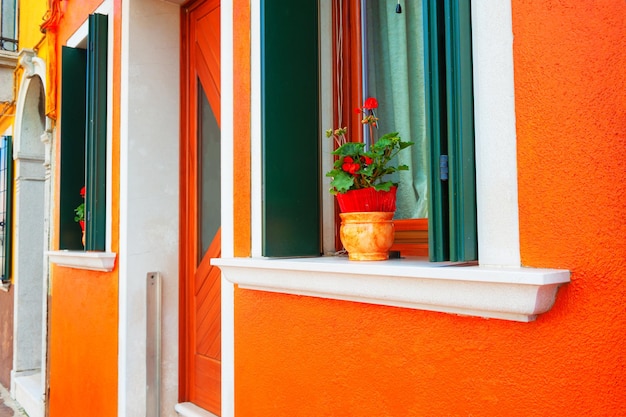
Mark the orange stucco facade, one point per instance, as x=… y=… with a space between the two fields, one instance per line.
x=327 y=357
x=83 y=324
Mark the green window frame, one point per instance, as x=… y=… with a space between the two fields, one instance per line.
x=84 y=138
x=290 y=100
x=452 y=231
x=6 y=206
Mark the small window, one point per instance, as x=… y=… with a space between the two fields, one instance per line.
x=8 y=32
x=6 y=206
x=84 y=140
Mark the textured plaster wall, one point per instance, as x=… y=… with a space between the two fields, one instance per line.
x=311 y=357
x=83 y=308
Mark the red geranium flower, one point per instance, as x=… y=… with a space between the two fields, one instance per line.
x=370 y=103
x=349 y=165
x=82 y=192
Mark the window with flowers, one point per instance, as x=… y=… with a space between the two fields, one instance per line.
x=84 y=140
x=415 y=58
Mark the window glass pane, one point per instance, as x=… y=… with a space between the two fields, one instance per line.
x=394 y=73
x=209 y=173
x=5 y=223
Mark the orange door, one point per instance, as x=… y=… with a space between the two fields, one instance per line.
x=200 y=206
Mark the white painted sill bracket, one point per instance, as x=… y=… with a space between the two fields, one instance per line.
x=517 y=294
x=93 y=261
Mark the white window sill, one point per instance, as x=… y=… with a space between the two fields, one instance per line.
x=518 y=294
x=191 y=410
x=94 y=261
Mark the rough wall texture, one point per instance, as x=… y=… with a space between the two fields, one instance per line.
x=311 y=357
x=83 y=307
x=6 y=337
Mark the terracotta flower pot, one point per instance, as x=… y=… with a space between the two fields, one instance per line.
x=367 y=236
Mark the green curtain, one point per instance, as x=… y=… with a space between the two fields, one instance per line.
x=395 y=76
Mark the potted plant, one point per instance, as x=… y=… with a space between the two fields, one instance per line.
x=365 y=194
x=79 y=216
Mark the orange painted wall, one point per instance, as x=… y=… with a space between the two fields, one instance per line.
x=313 y=357
x=241 y=164
x=83 y=305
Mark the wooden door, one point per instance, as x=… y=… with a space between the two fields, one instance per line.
x=200 y=206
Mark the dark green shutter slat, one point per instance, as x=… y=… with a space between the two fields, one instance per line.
x=290 y=128
x=450 y=129
x=460 y=98
x=436 y=120
x=96 y=144
x=72 y=142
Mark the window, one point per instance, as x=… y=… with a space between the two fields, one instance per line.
x=498 y=287
x=84 y=138
x=8 y=33
x=6 y=205
x=418 y=64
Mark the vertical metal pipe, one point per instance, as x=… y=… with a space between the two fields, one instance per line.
x=153 y=345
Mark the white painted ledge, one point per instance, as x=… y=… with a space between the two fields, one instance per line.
x=518 y=294
x=29 y=394
x=191 y=410
x=94 y=261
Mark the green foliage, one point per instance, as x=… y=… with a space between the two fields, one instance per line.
x=80 y=213
x=357 y=167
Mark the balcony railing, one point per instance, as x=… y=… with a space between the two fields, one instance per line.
x=8 y=32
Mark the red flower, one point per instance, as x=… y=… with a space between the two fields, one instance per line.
x=82 y=192
x=349 y=165
x=367 y=159
x=370 y=103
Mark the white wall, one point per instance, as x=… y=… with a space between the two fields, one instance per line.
x=149 y=196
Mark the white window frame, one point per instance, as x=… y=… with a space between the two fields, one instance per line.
x=96 y=261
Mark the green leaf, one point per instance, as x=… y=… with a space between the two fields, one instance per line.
x=349 y=149
x=342 y=182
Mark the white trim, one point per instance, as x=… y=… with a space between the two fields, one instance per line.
x=124 y=291
x=33 y=66
x=496 y=142
x=227 y=288
x=256 y=195
x=95 y=261
x=518 y=294
x=192 y=410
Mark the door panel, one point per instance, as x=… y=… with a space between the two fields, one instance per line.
x=200 y=207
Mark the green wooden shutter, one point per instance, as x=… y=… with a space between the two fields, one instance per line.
x=96 y=144
x=450 y=127
x=436 y=128
x=290 y=128
x=72 y=143
x=6 y=210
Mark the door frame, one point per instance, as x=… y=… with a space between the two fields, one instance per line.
x=188 y=200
